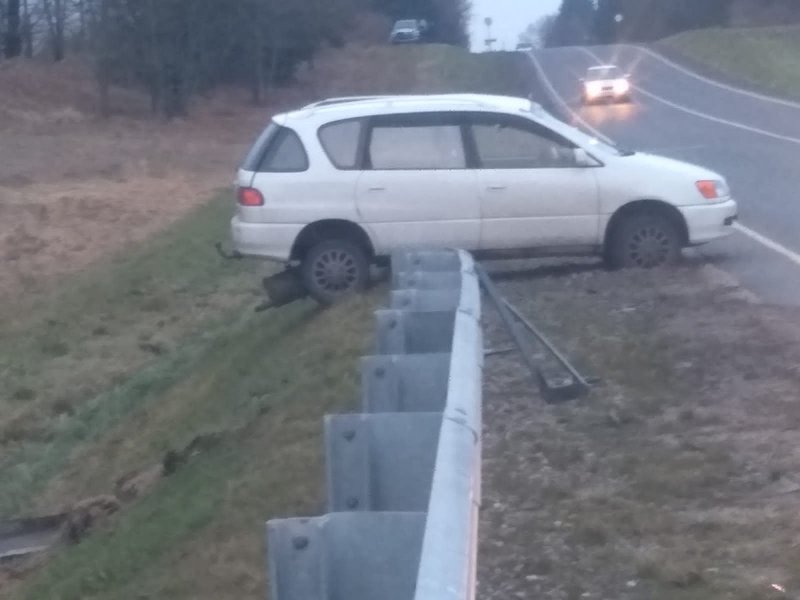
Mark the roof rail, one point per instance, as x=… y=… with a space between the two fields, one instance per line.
x=342 y=100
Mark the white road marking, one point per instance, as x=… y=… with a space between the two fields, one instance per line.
x=753 y=235
x=702 y=115
x=718 y=84
x=771 y=244
x=556 y=97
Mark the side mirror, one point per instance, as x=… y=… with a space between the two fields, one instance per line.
x=583 y=159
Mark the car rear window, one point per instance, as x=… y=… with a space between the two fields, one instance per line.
x=253 y=157
x=340 y=142
x=277 y=150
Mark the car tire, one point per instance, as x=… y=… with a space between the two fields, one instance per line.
x=644 y=241
x=334 y=269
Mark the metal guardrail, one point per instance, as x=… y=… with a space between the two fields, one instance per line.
x=403 y=477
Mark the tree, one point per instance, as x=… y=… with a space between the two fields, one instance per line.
x=653 y=19
x=177 y=49
x=605 y=22
x=55 y=12
x=448 y=19
x=691 y=14
x=574 y=24
x=12 y=46
x=27 y=30
x=536 y=33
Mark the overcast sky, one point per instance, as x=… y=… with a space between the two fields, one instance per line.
x=510 y=17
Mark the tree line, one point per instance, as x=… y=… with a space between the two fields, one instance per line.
x=176 y=49
x=606 y=21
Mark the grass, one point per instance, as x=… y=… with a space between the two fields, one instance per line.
x=421 y=69
x=142 y=355
x=767 y=57
x=451 y=69
x=82 y=360
x=262 y=383
x=265 y=392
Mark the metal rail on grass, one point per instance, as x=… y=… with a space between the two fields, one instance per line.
x=403 y=476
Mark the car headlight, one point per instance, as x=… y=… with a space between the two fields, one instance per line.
x=593 y=88
x=713 y=189
x=621 y=86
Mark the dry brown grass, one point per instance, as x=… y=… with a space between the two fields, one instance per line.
x=679 y=477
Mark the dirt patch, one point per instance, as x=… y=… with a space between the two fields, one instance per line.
x=679 y=477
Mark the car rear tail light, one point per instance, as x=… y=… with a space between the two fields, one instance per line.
x=250 y=197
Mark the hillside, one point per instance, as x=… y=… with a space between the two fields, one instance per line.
x=768 y=58
x=134 y=370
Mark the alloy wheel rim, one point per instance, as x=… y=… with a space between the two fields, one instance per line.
x=335 y=271
x=649 y=247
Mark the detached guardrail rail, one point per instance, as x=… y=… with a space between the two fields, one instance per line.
x=403 y=476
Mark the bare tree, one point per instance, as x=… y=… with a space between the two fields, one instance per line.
x=177 y=49
x=55 y=12
x=12 y=46
x=27 y=30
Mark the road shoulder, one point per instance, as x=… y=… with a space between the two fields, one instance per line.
x=678 y=477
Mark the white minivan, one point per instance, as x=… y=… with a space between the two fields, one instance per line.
x=337 y=185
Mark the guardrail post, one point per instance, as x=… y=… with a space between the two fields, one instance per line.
x=381 y=462
x=405 y=383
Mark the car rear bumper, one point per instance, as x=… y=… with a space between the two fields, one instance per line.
x=273 y=241
x=710 y=222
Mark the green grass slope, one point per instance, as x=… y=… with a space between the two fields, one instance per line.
x=767 y=57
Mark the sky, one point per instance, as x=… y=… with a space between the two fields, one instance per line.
x=510 y=17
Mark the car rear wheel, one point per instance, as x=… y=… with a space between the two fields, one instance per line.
x=334 y=269
x=644 y=241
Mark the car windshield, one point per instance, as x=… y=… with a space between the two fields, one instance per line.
x=588 y=142
x=604 y=73
x=405 y=25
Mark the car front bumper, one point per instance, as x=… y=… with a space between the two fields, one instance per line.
x=404 y=39
x=273 y=241
x=605 y=95
x=707 y=222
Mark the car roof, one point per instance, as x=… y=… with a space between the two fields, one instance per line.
x=350 y=107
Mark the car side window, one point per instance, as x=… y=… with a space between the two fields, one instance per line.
x=416 y=145
x=503 y=143
x=285 y=154
x=340 y=142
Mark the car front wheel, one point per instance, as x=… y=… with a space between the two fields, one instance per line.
x=644 y=241
x=333 y=269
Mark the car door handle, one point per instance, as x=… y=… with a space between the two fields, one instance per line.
x=377 y=189
x=497 y=188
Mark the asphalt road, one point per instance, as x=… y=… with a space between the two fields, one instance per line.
x=753 y=140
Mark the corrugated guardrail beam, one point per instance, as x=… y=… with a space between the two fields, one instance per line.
x=403 y=477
